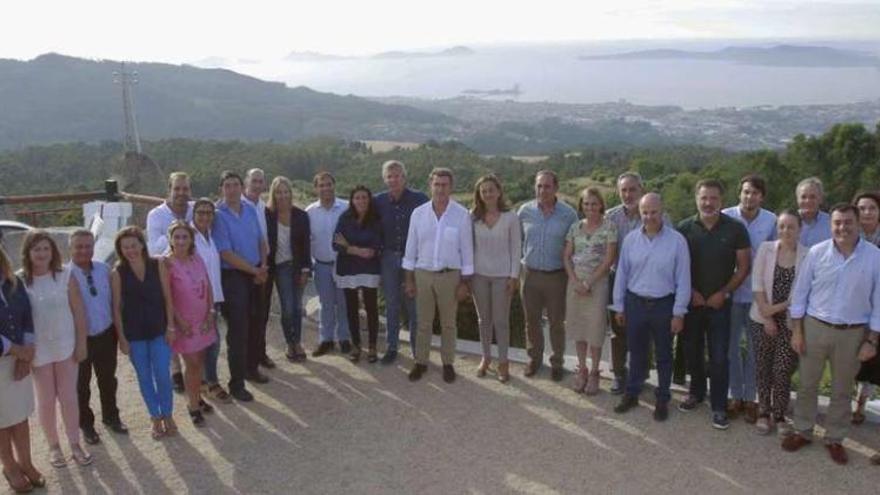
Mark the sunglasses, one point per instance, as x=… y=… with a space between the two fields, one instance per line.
x=92 y=289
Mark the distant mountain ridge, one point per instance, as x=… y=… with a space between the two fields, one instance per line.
x=310 y=56
x=778 y=55
x=56 y=98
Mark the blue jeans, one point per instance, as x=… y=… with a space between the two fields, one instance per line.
x=334 y=321
x=742 y=371
x=648 y=320
x=290 y=296
x=152 y=364
x=702 y=324
x=395 y=298
x=212 y=354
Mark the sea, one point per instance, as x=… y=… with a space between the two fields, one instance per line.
x=554 y=72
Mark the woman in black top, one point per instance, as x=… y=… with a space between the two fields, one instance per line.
x=142 y=312
x=16 y=388
x=358 y=240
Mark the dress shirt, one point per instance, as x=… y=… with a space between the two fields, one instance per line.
x=158 y=221
x=207 y=251
x=839 y=290
x=761 y=229
x=322 y=222
x=395 y=215
x=818 y=230
x=497 y=249
x=435 y=244
x=260 y=206
x=237 y=232
x=98 y=306
x=544 y=236
x=654 y=268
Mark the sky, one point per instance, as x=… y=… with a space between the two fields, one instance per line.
x=186 y=30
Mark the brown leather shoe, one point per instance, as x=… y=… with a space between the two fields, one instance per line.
x=734 y=408
x=795 y=442
x=750 y=412
x=875 y=459
x=837 y=453
x=531 y=368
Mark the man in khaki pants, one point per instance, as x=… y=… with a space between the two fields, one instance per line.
x=836 y=296
x=439 y=262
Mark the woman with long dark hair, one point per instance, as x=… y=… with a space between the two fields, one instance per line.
x=358 y=240
x=142 y=314
x=497 y=251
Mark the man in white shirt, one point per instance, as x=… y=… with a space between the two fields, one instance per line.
x=254 y=185
x=177 y=206
x=439 y=263
x=323 y=216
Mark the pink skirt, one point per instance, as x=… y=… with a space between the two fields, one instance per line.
x=195 y=342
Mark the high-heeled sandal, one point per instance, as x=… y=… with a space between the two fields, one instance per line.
x=25 y=487
x=483 y=368
x=170 y=426
x=592 y=387
x=158 y=429
x=858 y=416
x=56 y=457
x=580 y=380
x=197 y=418
x=37 y=480
x=503 y=371
x=79 y=455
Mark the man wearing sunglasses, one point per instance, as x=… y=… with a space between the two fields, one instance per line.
x=93 y=278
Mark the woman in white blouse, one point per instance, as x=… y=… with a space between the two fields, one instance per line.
x=60 y=332
x=497 y=248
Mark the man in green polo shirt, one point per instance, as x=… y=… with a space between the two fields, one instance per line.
x=720 y=254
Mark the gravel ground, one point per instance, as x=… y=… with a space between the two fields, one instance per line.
x=330 y=426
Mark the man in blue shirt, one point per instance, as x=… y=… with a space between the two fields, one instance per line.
x=816 y=223
x=545 y=222
x=395 y=207
x=240 y=244
x=836 y=297
x=652 y=288
x=761 y=226
x=93 y=278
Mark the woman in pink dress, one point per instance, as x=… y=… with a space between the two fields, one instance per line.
x=193 y=313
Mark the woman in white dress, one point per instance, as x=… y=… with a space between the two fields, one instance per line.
x=60 y=330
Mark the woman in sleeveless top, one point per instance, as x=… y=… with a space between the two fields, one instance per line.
x=60 y=331
x=194 y=322
x=16 y=386
x=773 y=276
x=141 y=312
x=590 y=251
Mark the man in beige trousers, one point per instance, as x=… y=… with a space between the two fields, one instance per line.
x=439 y=262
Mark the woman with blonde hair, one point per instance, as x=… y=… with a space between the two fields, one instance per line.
x=590 y=252
x=61 y=330
x=142 y=314
x=497 y=250
x=193 y=309
x=16 y=388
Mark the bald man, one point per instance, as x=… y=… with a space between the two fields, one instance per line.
x=652 y=288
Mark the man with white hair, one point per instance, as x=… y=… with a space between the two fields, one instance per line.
x=816 y=223
x=254 y=185
x=395 y=207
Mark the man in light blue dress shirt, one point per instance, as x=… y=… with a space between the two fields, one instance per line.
x=652 y=289
x=93 y=278
x=836 y=297
x=545 y=222
x=761 y=225
x=323 y=216
x=816 y=223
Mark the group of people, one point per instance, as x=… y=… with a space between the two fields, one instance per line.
x=761 y=294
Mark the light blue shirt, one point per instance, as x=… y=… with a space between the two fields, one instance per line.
x=817 y=231
x=839 y=290
x=237 y=232
x=98 y=305
x=762 y=228
x=654 y=268
x=544 y=236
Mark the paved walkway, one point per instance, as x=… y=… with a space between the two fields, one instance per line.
x=330 y=426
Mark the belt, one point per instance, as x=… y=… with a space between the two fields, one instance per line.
x=547 y=272
x=839 y=326
x=649 y=300
x=325 y=262
x=445 y=270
